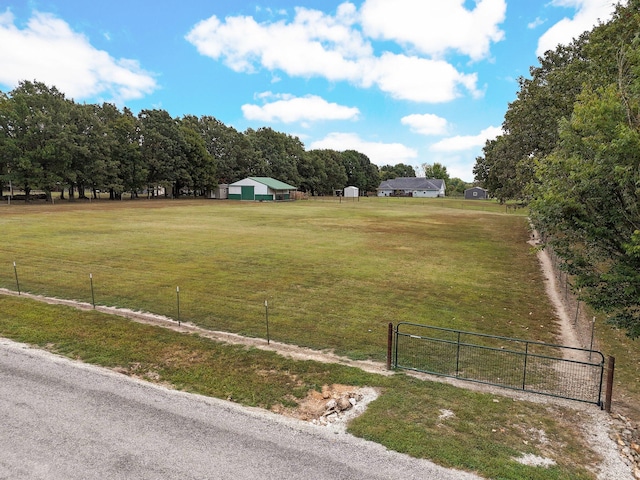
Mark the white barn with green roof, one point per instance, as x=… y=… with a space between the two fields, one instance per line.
x=260 y=189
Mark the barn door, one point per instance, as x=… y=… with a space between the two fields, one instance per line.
x=247 y=192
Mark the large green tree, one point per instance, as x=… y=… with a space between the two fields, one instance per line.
x=571 y=145
x=133 y=172
x=360 y=171
x=37 y=136
x=161 y=149
x=588 y=202
x=200 y=164
x=456 y=187
x=277 y=154
x=8 y=147
x=92 y=165
x=586 y=195
x=530 y=127
x=497 y=171
x=231 y=150
x=389 y=172
x=322 y=172
x=436 y=170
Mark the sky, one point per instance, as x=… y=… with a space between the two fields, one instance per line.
x=402 y=81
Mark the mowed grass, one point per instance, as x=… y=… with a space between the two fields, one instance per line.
x=334 y=274
x=453 y=427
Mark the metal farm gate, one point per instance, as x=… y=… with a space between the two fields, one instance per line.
x=547 y=369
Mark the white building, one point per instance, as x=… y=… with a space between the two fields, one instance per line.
x=412 y=187
x=260 y=189
x=351 y=192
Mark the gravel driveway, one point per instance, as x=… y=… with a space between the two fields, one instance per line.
x=61 y=419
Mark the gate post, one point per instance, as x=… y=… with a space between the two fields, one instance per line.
x=389 y=345
x=610 y=367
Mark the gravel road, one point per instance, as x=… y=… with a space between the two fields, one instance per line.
x=61 y=419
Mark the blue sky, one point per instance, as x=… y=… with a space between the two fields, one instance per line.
x=403 y=81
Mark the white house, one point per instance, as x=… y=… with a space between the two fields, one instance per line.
x=260 y=189
x=412 y=187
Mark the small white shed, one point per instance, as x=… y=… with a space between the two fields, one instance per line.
x=351 y=192
x=221 y=192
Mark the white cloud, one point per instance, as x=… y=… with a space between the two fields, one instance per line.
x=418 y=79
x=315 y=44
x=290 y=109
x=536 y=23
x=378 y=152
x=466 y=142
x=588 y=13
x=47 y=50
x=435 y=27
x=426 y=124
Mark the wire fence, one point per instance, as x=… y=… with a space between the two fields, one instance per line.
x=123 y=287
x=548 y=369
x=582 y=320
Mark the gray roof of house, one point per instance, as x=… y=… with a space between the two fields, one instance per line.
x=412 y=183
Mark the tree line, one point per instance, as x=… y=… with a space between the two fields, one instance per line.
x=50 y=143
x=570 y=148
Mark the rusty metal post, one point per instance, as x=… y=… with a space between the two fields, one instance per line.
x=610 y=368
x=389 y=345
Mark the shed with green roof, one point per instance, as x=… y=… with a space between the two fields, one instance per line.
x=260 y=189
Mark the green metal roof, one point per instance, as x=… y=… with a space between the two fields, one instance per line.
x=273 y=184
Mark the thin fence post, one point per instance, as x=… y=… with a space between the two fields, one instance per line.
x=524 y=370
x=458 y=355
x=611 y=364
x=178 y=301
x=93 y=298
x=389 y=345
x=575 y=321
x=15 y=270
x=266 y=313
x=593 y=328
x=395 y=349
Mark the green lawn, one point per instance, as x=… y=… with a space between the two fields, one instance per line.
x=334 y=274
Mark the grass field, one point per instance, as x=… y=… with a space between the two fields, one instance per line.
x=334 y=275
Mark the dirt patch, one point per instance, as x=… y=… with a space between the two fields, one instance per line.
x=334 y=405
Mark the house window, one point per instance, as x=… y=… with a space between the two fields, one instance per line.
x=475 y=194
